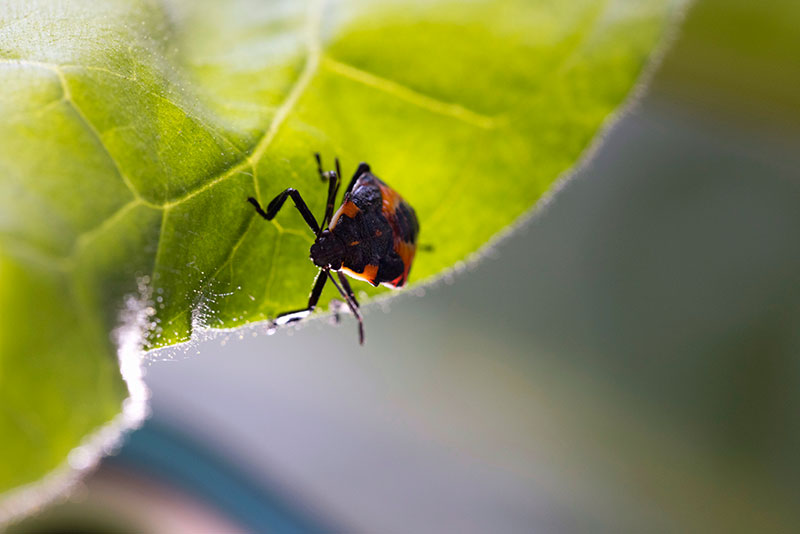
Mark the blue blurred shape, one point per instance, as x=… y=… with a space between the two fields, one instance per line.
x=169 y=456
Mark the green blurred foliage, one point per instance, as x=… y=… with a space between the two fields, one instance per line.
x=738 y=58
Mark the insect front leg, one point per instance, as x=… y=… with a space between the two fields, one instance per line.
x=338 y=306
x=347 y=292
x=277 y=203
x=316 y=292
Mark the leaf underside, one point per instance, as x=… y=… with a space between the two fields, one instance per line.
x=134 y=131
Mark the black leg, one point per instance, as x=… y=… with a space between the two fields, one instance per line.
x=350 y=298
x=316 y=292
x=333 y=179
x=333 y=189
x=346 y=285
x=362 y=168
x=277 y=203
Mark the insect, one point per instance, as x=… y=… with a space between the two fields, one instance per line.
x=371 y=237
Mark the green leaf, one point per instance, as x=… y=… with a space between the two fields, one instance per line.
x=133 y=132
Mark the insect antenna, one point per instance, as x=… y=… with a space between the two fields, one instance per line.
x=319 y=166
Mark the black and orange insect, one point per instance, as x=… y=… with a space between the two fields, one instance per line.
x=371 y=237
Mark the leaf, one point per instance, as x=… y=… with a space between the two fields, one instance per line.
x=133 y=133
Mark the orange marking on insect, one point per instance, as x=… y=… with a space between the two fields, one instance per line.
x=378 y=233
x=348 y=209
x=406 y=251
x=390 y=199
x=354 y=243
x=369 y=274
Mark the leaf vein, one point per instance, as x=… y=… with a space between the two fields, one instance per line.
x=585 y=28
x=86 y=237
x=411 y=96
x=90 y=126
x=169 y=101
x=309 y=69
x=161 y=241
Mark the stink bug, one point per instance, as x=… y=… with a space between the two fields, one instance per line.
x=371 y=237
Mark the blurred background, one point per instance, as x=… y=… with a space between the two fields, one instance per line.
x=627 y=360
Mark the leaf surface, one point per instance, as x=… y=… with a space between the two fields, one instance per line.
x=134 y=131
